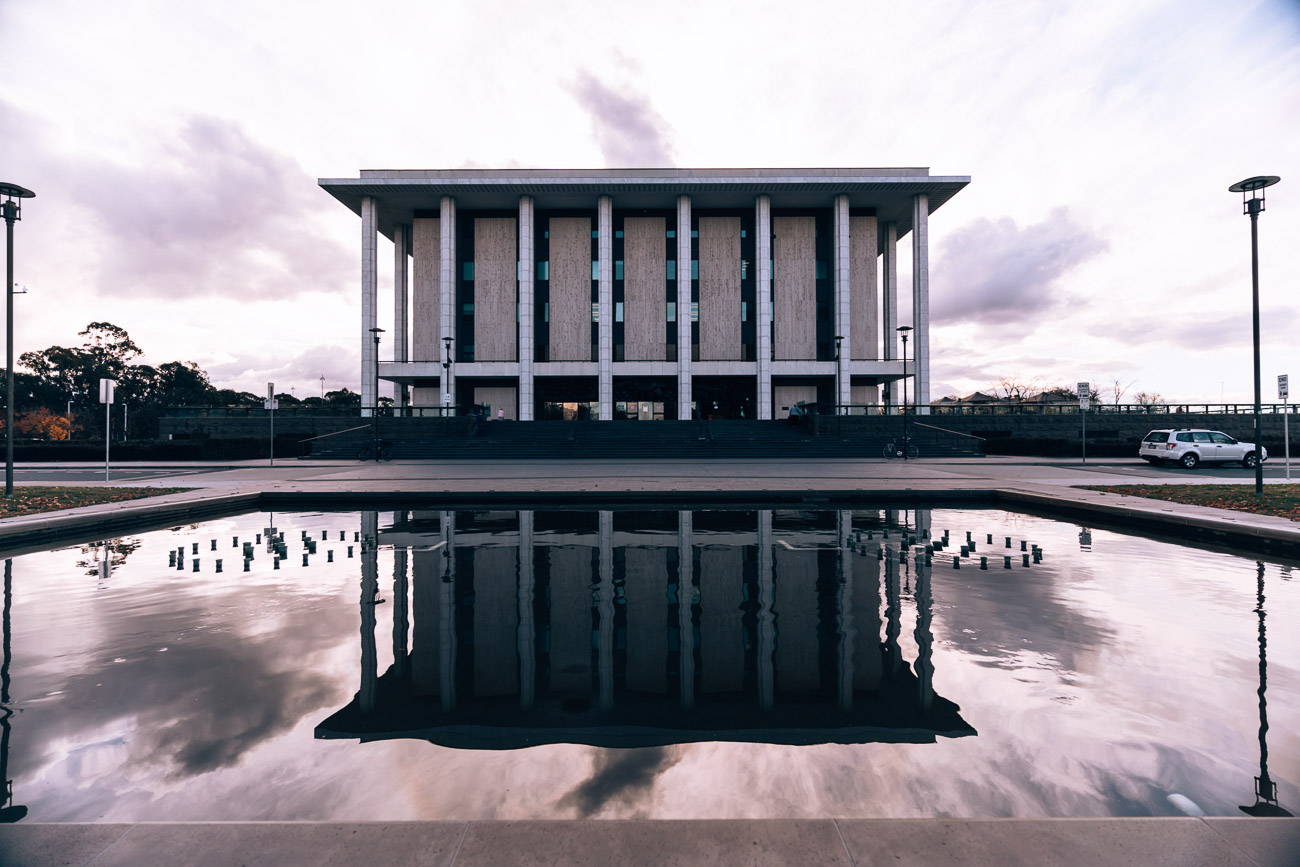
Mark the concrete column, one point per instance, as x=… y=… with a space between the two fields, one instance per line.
x=766 y=613
x=401 y=610
x=921 y=299
x=889 y=304
x=401 y=305
x=605 y=610
x=605 y=305
x=369 y=299
x=685 y=602
x=369 y=592
x=763 y=252
x=447 y=290
x=684 y=307
x=924 y=636
x=527 y=628
x=527 y=272
x=893 y=613
x=843 y=296
x=844 y=610
x=447 y=615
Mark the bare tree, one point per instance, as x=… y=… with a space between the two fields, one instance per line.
x=1119 y=388
x=1014 y=388
x=1144 y=398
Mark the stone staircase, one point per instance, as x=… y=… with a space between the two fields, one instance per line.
x=449 y=439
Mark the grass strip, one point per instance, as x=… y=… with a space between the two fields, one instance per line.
x=1282 y=501
x=31 y=499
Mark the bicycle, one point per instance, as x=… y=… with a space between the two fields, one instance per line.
x=894 y=449
x=376 y=450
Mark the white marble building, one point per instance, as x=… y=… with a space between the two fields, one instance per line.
x=559 y=293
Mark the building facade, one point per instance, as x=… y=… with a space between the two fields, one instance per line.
x=644 y=293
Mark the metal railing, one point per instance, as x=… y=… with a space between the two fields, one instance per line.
x=1031 y=408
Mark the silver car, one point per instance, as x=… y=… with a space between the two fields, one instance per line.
x=1189 y=446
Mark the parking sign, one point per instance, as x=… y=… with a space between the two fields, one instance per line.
x=1282 y=388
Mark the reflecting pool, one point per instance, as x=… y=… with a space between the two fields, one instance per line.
x=662 y=664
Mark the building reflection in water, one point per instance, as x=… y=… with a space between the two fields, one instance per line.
x=1266 y=804
x=626 y=629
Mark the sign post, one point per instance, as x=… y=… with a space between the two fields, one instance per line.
x=1284 y=391
x=1085 y=392
x=271 y=405
x=106 y=387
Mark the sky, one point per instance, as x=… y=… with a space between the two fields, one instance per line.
x=175 y=150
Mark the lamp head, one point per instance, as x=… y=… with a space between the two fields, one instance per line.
x=1252 y=192
x=12 y=195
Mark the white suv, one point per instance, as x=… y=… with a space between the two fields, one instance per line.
x=1189 y=447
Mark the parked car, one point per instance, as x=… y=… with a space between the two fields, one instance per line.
x=1189 y=446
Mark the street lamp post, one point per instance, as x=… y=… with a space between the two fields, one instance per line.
x=904 y=330
x=1252 y=203
x=12 y=196
x=839 y=338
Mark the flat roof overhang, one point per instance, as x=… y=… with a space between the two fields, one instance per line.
x=400 y=193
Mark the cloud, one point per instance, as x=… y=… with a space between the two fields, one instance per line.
x=619 y=776
x=339 y=366
x=997 y=273
x=1205 y=330
x=629 y=132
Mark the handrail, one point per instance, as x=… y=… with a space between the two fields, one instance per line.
x=337 y=432
x=916 y=423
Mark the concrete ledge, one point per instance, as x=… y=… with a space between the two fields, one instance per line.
x=1225 y=842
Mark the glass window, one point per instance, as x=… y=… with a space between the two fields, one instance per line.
x=546 y=311
x=595 y=269
x=695 y=311
x=543 y=270
x=742 y=233
x=695 y=269
x=618 y=269
x=744 y=311
x=695 y=233
x=821 y=269
x=672 y=311
x=744 y=269
x=618 y=234
x=595 y=311
x=467 y=309
x=1184 y=437
x=672 y=269
x=618 y=311
x=1201 y=436
x=546 y=234
x=1157 y=436
x=467 y=270
x=672 y=233
x=1222 y=439
x=595 y=233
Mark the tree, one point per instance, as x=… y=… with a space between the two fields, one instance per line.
x=1119 y=388
x=42 y=424
x=1148 y=399
x=343 y=397
x=1016 y=389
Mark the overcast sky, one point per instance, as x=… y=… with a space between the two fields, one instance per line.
x=174 y=149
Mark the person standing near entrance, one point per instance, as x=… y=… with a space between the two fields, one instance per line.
x=501 y=414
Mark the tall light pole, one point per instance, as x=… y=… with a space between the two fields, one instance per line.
x=376 y=332
x=904 y=330
x=1252 y=203
x=446 y=372
x=839 y=338
x=12 y=196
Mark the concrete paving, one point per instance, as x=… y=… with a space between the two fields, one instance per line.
x=1032 y=484
x=1188 y=842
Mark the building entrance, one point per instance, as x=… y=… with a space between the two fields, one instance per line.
x=724 y=397
x=645 y=398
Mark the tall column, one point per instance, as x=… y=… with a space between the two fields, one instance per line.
x=844 y=610
x=605 y=305
x=527 y=272
x=369 y=592
x=401 y=609
x=766 y=613
x=685 y=601
x=889 y=333
x=843 y=315
x=369 y=300
x=924 y=635
x=921 y=299
x=684 y=307
x=527 y=628
x=447 y=290
x=447 y=615
x=605 y=610
x=763 y=252
x=401 y=305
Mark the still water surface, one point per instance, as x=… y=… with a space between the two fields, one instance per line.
x=438 y=665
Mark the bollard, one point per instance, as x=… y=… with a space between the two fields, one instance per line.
x=218 y=565
x=214 y=544
x=234 y=541
x=329 y=556
x=246 y=565
x=259 y=538
x=304 y=559
x=275 y=564
x=1008 y=541
x=990 y=538
x=196 y=565
x=902 y=555
x=880 y=552
x=1024 y=559
x=356 y=536
x=196 y=547
x=349 y=550
x=171 y=558
x=324 y=535
x=1006 y=562
x=1024 y=546
x=956 y=562
x=965 y=550
x=984 y=563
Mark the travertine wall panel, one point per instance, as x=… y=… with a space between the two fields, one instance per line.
x=720 y=288
x=497 y=397
x=797 y=669
x=722 y=636
x=645 y=570
x=495 y=616
x=425 y=305
x=426 y=397
x=570 y=287
x=495 y=321
x=863 y=294
x=570 y=580
x=645 y=272
x=794 y=302
x=786 y=396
